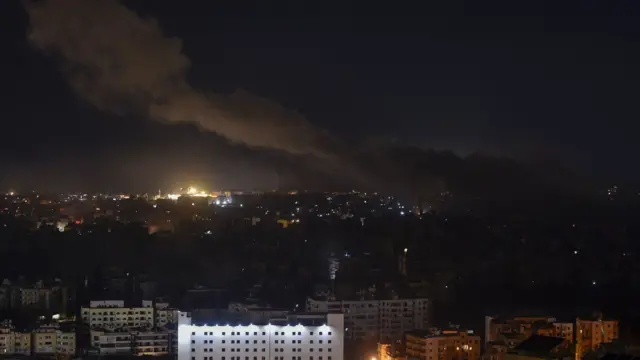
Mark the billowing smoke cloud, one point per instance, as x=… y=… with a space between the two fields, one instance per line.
x=114 y=57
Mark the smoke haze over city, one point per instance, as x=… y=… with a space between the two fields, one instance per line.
x=271 y=89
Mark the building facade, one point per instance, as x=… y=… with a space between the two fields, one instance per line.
x=111 y=315
x=164 y=315
x=45 y=341
x=153 y=343
x=442 y=345
x=376 y=319
x=590 y=334
x=503 y=334
x=300 y=337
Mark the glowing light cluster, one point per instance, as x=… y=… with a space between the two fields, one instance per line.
x=192 y=191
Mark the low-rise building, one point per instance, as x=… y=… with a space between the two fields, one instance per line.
x=50 y=340
x=112 y=315
x=525 y=326
x=7 y=341
x=505 y=333
x=442 y=345
x=22 y=345
x=44 y=341
x=66 y=343
x=111 y=343
x=153 y=342
x=591 y=333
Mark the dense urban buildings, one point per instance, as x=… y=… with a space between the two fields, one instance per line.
x=42 y=341
x=511 y=331
x=376 y=319
x=348 y=253
x=241 y=180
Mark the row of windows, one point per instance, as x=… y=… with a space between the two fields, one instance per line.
x=263 y=341
x=256 y=350
x=122 y=318
x=255 y=333
x=121 y=312
x=262 y=358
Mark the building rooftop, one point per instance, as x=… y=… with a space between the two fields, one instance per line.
x=305 y=319
x=539 y=345
x=440 y=333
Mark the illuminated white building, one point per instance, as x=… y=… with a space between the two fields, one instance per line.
x=376 y=319
x=299 y=337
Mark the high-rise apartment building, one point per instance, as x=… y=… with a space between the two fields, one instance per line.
x=376 y=319
x=112 y=314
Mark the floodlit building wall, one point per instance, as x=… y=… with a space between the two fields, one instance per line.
x=261 y=342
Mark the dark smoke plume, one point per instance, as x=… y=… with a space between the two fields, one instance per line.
x=114 y=57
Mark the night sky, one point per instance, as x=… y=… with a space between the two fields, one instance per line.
x=514 y=78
